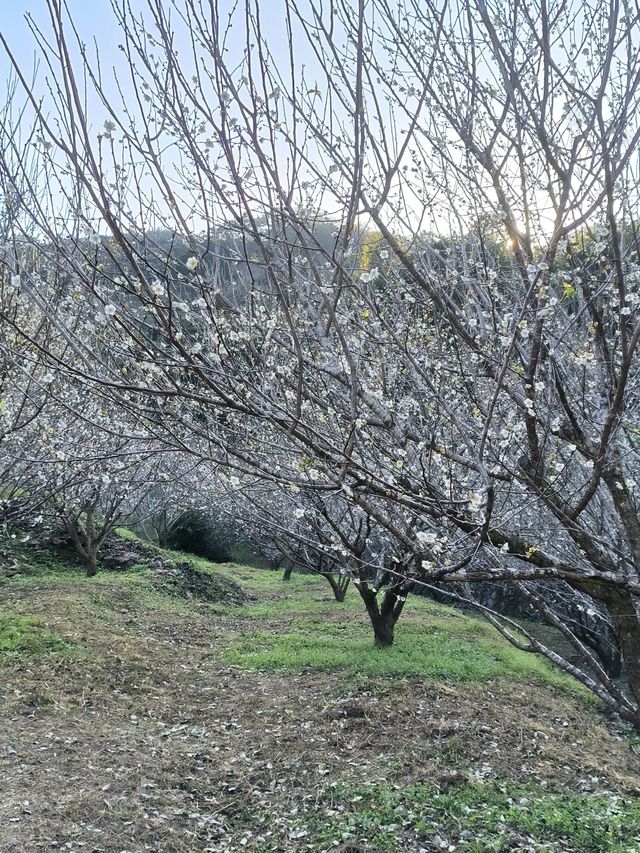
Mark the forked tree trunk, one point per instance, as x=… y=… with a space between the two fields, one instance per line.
x=85 y=542
x=383 y=616
x=383 y=630
x=339 y=585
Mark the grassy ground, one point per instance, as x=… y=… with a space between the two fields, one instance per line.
x=134 y=720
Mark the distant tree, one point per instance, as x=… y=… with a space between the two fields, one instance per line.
x=76 y=474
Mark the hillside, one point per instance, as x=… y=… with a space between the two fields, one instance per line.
x=137 y=717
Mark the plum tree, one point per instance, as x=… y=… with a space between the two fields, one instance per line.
x=470 y=385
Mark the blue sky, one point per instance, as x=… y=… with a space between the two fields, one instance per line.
x=97 y=27
x=95 y=19
x=96 y=24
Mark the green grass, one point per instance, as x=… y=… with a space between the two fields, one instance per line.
x=39 y=562
x=305 y=629
x=26 y=635
x=478 y=818
x=125 y=533
x=297 y=626
x=430 y=652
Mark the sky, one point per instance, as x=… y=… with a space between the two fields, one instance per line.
x=97 y=27
x=94 y=19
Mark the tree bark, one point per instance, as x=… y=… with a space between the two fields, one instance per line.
x=288 y=571
x=625 y=618
x=383 y=618
x=383 y=632
x=92 y=563
x=87 y=550
x=339 y=585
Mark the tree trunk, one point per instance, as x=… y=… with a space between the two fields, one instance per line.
x=159 y=524
x=383 y=631
x=621 y=606
x=92 y=563
x=275 y=563
x=341 y=591
x=288 y=571
x=383 y=619
x=87 y=550
x=339 y=585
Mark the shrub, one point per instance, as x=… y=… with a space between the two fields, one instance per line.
x=201 y=533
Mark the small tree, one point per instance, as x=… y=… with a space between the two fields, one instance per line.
x=326 y=534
